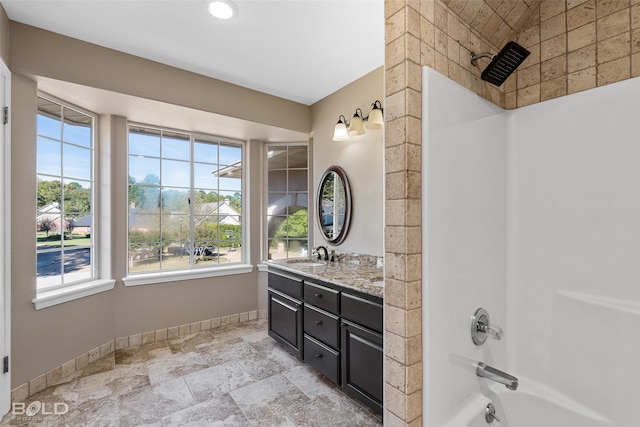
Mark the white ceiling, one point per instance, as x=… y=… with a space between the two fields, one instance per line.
x=302 y=50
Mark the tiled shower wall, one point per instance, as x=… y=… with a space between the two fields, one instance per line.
x=575 y=45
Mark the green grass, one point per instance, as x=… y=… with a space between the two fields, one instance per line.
x=53 y=240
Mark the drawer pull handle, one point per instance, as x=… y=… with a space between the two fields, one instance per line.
x=319 y=356
x=318 y=322
x=318 y=295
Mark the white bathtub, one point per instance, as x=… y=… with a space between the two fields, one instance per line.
x=532 y=405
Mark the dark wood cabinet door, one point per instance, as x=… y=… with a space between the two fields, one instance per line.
x=285 y=322
x=362 y=356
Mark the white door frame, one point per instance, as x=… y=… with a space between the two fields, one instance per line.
x=5 y=238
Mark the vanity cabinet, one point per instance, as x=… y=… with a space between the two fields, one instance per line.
x=336 y=330
x=362 y=351
x=285 y=312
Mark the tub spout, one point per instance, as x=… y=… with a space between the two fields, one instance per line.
x=485 y=371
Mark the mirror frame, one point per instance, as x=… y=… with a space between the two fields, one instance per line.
x=340 y=173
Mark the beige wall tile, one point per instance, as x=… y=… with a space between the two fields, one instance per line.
x=82 y=361
x=161 y=334
x=635 y=40
x=581 y=37
x=613 y=25
x=395 y=25
x=528 y=76
x=37 y=384
x=529 y=37
x=481 y=18
x=607 y=7
x=580 y=15
x=635 y=65
x=550 y=8
x=122 y=342
x=553 y=26
x=553 y=47
x=528 y=95
x=635 y=16
x=20 y=393
x=471 y=9
x=614 y=71
x=173 y=332
x=573 y=3
x=185 y=329
x=581 y=58
x=614 y=48
x=554 y=88
x=581 y=80
x=553 y=68
x=194 y=327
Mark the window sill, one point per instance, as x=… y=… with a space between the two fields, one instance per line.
x=175 y=276
x=73 y=292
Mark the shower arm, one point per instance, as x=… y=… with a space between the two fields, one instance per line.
x=474 y=57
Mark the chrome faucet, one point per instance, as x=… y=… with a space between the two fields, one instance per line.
x=326 y=253
x=493 y=374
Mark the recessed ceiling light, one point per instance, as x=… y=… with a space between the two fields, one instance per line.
x=223 y=9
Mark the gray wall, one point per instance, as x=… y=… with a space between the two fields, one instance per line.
x=361 y=157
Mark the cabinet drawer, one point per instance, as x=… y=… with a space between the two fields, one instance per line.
x=322 y=326
x=364 y=312
x=321 y=296
x=322 y=358
x=286 y=285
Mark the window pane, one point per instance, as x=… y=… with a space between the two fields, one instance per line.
x=144 y=198
x=77 y=162
x=277 y=158
x=77 y=264
x=176 y=173
x=144 y=228
x=230 y=155
x=49 y=268
x=49 y=159
x=144 y=170
x=204 y=175
x=205 y=152
x=49 y=191
x=144 y=142
x=77 y=198
x=277 y=180
x=230 y=184
x=297 y=157
x=175 y=200
x=298 y=180
x=176 y=146
x=49 y=115
x=144 y=258
x=298 y=204
x=77 y=127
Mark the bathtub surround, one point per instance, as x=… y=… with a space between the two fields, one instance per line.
x=94 y=360
x=532 y=213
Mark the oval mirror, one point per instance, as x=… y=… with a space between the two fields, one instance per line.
x=334 y=205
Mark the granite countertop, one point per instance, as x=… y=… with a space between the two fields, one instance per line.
x=362 y=273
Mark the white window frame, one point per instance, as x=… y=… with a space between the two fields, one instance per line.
x=101 y=278
x=242 y=267
x=265 y=192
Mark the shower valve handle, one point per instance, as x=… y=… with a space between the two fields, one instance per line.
x=494 y=332
x=481 y=327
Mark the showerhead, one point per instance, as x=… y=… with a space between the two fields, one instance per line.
x=502 y=64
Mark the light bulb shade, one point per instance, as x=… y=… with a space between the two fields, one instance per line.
x=356 y=127
x=376 y=121
x=340 y=132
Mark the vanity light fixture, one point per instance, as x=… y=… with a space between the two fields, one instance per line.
x=223 y=9
x=344 y=129
x=340 y=132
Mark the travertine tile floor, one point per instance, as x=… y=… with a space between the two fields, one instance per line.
x=231 y=376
